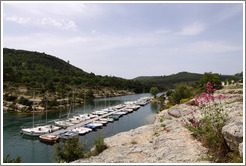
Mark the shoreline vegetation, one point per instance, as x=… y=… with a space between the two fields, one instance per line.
x=23 y=103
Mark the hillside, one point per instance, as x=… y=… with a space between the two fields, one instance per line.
x=172 y=80
x=45 y=72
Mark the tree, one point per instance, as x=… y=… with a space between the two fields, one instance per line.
x=154 y=91
x=214 y=79
x=182 y=91
x=69 y=150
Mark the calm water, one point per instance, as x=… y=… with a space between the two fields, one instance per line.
x=32 y=150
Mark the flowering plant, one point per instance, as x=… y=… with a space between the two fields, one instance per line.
x=208 y=127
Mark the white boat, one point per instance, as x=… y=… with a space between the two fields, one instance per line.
x=99 y=112
x=63 y=123
x=104 y=122
x=52 y=128
x=107 y=119
x=81 y=130
x=35 y=131
x=96 y=124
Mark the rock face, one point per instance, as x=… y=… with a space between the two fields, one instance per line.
x=170 y=143
x=233 y=133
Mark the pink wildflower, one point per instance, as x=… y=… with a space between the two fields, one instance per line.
x=212 y=98
x=193 y=124
x=196 y=97
x=191 y=112
x=186 y=124
x=204 y=94
x=207 y=124
x=213 y=129
x=197 y=122
x=194 y=110
x=224 y=97
x=214 y=90
x=220 y=96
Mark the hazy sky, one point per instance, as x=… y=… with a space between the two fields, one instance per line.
x=131 y=39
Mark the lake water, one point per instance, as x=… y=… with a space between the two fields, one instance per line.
x=32 y=150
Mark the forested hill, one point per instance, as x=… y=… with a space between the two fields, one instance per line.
x=46 y=72
x=171 y=80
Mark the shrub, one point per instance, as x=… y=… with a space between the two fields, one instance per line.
x=183 y=100
x=9 y=97
x=181 y=91
x=154 y=91
x=25 y=101
x=69 y=150
x=99 y=144
x=7 y=159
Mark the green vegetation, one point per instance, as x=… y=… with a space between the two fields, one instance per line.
x=214 y=79
x=7 y=159
x=44 y=72
x=154 y=91
x=99 y=144
x=182 y=91
x=69 y=150
x=170 y=81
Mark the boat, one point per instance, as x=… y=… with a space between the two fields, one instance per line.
x=68 y=135
x=81 y=130
x=49 y=138
x=115 y=117
x=63 y=123
x=35 y=131
x=52 y=128
x=104 y=122
x=107 y=119
x=93 y=125
x=99 y=112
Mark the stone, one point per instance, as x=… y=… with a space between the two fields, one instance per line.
x=233 y=133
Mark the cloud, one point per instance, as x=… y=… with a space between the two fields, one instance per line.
x=193 y=29
x=44 y=22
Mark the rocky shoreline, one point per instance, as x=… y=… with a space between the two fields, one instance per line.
x=168 y=141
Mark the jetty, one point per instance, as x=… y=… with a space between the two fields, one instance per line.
x=56 y=133
x=118 y=110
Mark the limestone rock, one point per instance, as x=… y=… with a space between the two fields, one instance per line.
x=233 y=133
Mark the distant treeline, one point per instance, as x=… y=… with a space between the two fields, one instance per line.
x=45 y=72
x=183 y=77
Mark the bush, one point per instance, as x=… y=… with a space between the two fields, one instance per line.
x=99 y=144
x=181 y=91
x=69 y=150
x=7 y=159
x=25 y=101
x=9 y=97
x=214 y=79
x=154 y=91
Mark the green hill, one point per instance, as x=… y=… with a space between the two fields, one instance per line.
x=172 y=80
x=45 y=72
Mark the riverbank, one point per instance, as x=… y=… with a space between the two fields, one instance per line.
x=168 y=141
x=54 y=101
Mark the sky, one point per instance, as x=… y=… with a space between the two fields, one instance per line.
x=131 y=39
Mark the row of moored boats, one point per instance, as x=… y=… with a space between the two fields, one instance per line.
x=95 y=120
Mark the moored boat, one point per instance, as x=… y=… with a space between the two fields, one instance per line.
x=49 y=138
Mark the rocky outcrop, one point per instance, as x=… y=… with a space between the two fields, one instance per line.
x=233 y=133
x=167 y=141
